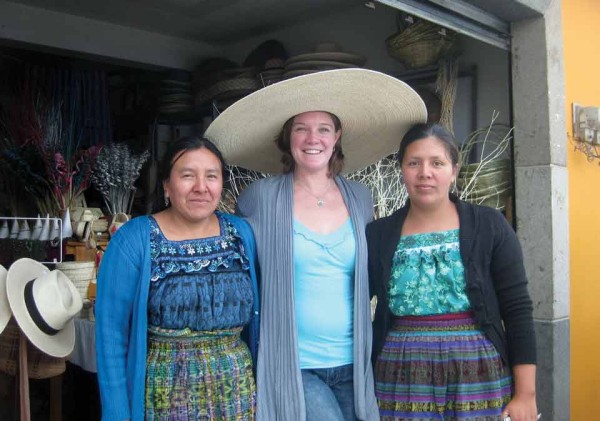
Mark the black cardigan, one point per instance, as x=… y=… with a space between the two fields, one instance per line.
x=496 y=284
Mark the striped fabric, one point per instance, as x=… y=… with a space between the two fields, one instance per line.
x=200 y=377
x=440 y=368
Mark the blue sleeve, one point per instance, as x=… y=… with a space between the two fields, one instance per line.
x=117 y=285
x=252 y=330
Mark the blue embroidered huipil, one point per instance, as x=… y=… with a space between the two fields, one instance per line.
x=201 y=284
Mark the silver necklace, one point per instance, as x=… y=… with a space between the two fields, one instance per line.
x=320 y=201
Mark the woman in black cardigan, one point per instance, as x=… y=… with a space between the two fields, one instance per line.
x=453 y=329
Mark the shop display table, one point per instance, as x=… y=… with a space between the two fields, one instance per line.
x=84 y=351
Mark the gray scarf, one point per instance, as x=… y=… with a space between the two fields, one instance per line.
x=268 y=206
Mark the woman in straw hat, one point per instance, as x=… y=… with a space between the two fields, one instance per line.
x=309 y=221
x=454 y=320
x=174 y=291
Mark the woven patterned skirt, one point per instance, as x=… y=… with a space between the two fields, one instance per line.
x=440 y=368
x=203 y=377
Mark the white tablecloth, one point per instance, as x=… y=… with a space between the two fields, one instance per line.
x=84 y=352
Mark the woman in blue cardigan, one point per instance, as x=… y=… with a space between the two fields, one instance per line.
x=175 y=290
x=453 y=330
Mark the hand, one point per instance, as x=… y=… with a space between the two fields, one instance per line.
x=521 y=408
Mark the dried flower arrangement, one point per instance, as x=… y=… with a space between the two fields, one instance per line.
x=41 y=151
x=115 y=174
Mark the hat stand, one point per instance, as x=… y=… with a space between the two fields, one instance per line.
x=22 y=385
x=55 y=381
x=23 y=379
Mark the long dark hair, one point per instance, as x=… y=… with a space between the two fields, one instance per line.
x=422 y=131
x=283 y=142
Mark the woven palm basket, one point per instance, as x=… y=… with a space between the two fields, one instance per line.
x=491 y=185
x=80 y=274
x=420 y=44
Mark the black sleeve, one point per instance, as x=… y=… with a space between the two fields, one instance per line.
x=510 y=283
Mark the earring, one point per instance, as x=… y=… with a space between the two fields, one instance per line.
x=166 y=201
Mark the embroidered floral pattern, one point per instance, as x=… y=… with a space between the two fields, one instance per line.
x=202 y=284
x=428 y=275
x=194 y=255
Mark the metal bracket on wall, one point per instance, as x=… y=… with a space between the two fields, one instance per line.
x=586 y=131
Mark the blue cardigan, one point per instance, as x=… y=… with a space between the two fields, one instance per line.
x=121 y=316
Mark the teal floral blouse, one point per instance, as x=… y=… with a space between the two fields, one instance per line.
x=427 y=275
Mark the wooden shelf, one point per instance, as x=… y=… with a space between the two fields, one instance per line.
x=81 y=251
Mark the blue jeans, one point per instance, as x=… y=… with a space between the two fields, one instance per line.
x=329 y=393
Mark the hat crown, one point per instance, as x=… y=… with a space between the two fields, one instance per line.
x=56 y=299
x=44 y=304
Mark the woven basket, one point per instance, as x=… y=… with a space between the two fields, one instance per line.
x=491 y=166
x=420 y=53
x=492 y=186
x=80 y=274
x=39 y=364
x=78 y=271
x=486 y=181
x=421 y=44
x=496 y=200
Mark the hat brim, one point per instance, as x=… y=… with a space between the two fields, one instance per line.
x=19 y=274
x=375 y=110
x=5 y=312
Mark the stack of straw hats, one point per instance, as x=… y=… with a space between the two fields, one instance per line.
x=176 y=93
x=269 y=57
x=232 y=85
x=327 y=56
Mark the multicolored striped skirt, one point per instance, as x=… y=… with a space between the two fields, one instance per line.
x=440 y=368
x=201 y=376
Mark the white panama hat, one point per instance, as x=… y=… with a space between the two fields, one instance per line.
x=44 y=304
x=375 y=110
x=5 y=312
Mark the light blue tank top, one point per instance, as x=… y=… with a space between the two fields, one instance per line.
x=324 y=295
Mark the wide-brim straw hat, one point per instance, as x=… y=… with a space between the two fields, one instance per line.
x=5 y=312
x=375 y=110
x=44 y=304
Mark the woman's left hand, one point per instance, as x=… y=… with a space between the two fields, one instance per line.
x=522 y=406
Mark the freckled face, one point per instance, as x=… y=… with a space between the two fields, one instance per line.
x=312 y=140
x=195 y=184
x=428 y=171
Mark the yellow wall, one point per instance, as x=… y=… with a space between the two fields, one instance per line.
x=581 y=32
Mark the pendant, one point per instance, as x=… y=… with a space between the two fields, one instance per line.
x=320 y=203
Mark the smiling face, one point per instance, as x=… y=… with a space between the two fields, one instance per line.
x=195 y=184
x=428 y=172
x=312 y=139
